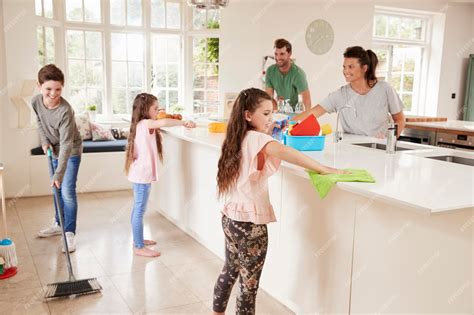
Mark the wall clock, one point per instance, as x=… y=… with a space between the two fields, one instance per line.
x=319 y=37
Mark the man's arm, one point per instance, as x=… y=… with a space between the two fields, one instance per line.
x=306 y=99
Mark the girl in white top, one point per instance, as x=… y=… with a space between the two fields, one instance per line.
x=372 y=100
x=249 y=156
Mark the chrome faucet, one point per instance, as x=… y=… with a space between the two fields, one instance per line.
x=338 y=134
x=391 y=135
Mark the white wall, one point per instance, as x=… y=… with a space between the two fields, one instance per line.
x=249 y=28
x=21 y=63
x=3 y=80
x=458 y=44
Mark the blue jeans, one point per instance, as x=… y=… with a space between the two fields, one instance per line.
x=141 y=192
x=67 y=193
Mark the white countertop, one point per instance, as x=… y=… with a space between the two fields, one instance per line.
x=450 y=124
x=406 y=178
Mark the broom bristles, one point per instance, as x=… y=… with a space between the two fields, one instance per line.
x=8 y=253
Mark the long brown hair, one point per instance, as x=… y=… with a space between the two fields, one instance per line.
x=231 y=154
x=141 y=107
x=365 y=57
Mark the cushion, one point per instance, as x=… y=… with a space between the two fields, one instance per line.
x=90 y=146
x=101 y=132
x=124 y=133
x=83 y=125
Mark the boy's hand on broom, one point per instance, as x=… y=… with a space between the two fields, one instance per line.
x=46 y=147
x=56 y=183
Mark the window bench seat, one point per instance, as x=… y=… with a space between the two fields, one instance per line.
x=101 y=169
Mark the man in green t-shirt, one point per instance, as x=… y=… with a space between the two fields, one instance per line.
x=285 y=78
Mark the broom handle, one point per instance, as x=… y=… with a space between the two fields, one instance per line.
x=4 y=207
x=60 y=211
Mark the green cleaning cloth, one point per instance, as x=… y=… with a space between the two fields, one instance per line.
x=324 y=183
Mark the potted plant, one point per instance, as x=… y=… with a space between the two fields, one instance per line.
x=92 y=110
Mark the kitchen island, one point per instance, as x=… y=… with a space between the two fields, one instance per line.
x=402 y=244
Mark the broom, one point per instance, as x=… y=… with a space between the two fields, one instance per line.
x=71 y=287
x=7 y=247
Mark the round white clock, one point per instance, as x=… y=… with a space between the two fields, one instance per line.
x=319 y=37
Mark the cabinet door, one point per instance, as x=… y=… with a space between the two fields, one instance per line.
x=469 y=99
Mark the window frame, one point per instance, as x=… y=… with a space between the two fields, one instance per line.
x=419 y=89
x=189 y=65
x=185 y=33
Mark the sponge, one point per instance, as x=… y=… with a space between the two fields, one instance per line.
x=217 y=127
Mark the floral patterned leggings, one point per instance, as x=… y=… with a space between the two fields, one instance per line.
x=245 y=250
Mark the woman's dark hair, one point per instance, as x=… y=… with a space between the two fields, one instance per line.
x=365 y=57
x=140 y=109
x=50 y=73
x=237 y=127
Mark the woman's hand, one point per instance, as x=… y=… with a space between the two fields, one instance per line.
x=189 y=124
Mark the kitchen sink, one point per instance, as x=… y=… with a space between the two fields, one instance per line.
x=453 y=159
x=380 y=146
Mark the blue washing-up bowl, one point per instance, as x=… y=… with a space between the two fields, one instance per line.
x=305 y=143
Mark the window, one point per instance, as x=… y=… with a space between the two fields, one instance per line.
x=165 y=14
x=83 y=11
x=166 y=71
x=205 y=74
x=205 y=19
x=44 y=8
x=401 y=44
x=134 y=46
x=127 y=70
x=45 y=32
x=85 y=69
x=126 y=12
x=45 y=37
x=205 y=61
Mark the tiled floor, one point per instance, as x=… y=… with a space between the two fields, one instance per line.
x=178 y=282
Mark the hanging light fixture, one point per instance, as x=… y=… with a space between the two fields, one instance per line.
x=208 y=4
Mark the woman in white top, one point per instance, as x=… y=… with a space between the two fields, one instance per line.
x=372 y=100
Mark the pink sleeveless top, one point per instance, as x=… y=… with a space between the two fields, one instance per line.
x=249 y=200
x=143 y=169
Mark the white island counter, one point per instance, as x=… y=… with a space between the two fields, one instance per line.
x=402 y=244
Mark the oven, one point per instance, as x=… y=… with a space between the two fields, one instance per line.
x=455 y=141
x=418 y=136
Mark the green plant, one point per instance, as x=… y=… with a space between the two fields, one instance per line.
x=91 y=108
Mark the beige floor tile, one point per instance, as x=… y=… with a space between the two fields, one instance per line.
x=34 y=204
x=265 y=305
x=184 y=252
x=41 y=246
x=179 y=282
x=120 y=259
x=153 y=289
x=23 y=301
x=53 y=268
x=13 y=222
x=199 y=277
x=26 y=278
x=109 y=301
x=114 y=194
x=195 y=308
